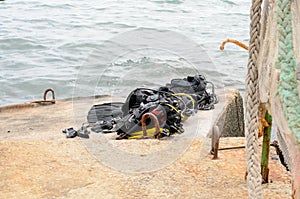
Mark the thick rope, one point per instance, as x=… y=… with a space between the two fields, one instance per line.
x=286 y=62
x=252 y=103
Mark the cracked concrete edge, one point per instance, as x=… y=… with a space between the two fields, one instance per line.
x=230 y=119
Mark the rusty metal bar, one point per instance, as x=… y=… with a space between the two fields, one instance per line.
x=235 y=42
x=53 y=95
x=233 y=147
x=45 y=101
x=156 y=124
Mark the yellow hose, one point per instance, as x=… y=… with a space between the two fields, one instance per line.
x=186 y=95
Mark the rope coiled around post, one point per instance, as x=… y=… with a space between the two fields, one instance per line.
x=252 y=104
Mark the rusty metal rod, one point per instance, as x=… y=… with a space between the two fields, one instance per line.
x=235 y=42
x=53 y=94
x=233 y=147
x=45 y=101
x=156 y=124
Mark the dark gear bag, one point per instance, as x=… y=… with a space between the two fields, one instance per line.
x=195 y=86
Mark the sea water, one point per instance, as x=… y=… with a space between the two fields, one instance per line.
x=65 y=45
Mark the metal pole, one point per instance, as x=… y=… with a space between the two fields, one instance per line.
x=215 y=137
x=266 y=149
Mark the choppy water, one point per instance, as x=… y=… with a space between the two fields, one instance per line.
x=52 y=43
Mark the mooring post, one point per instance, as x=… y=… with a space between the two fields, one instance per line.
x=266 y=149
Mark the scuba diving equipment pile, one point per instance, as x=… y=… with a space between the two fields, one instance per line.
x=154 y=113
